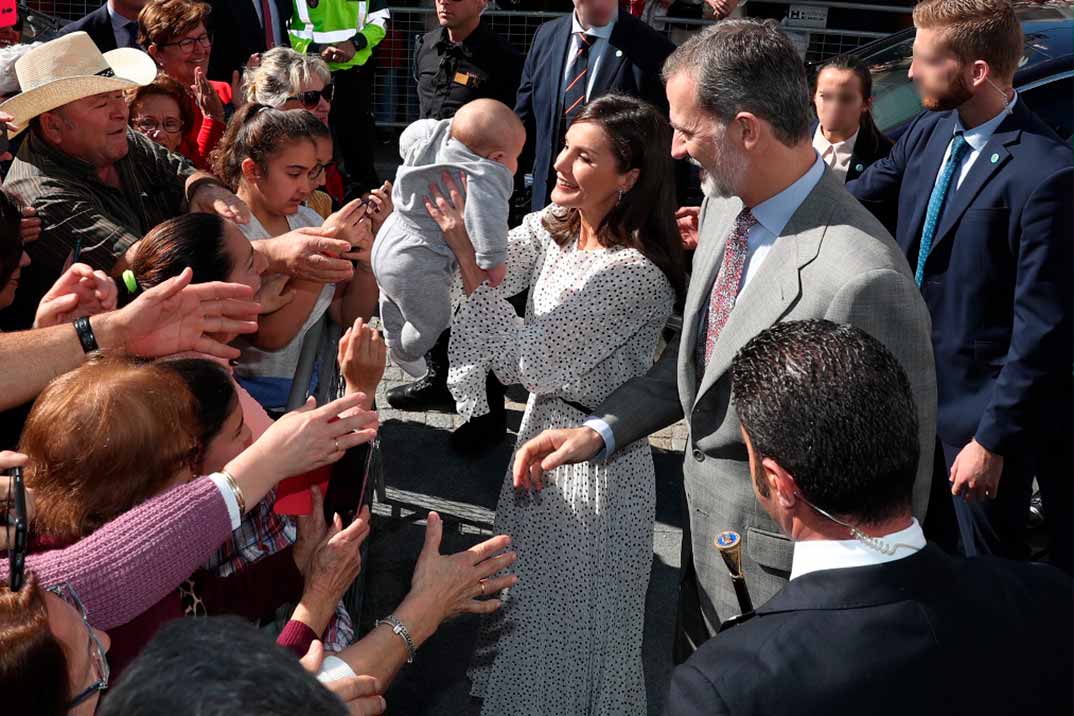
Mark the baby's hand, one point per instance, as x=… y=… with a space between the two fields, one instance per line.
x=496 y=274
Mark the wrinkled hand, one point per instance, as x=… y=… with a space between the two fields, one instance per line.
x=722 y=8
x=173 y=317
x=79 y=292
x=205 y=96
x=687 y=220
x=29 y=225
x=976 y=472
x=215 y=199
x=334 y=560
x=274 y=293
x=459 y=583
x=360 y=694
x=551 y=449
x=313 y=255
x=8 y=460
x=340 y=52
x=380 y=205
x=362 y=356
x=310 y=437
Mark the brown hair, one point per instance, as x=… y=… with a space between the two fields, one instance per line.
x=33 y=664
x=976 y=30
x=644 y=217
x=258 y=132
x=102 y=439
x=195 y=240
x=162 y=86
x=161 y=21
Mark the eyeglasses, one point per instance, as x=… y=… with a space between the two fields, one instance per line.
x=15 y=524
x=145 y=125
x=96 y=650
x=311 y=98
x=204 y=40
x=318 y=171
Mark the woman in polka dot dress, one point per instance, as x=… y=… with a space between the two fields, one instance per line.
x=604 y=268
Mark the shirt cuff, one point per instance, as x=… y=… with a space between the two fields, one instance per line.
x=333 y=669
x=605 y=432
x=229 y=499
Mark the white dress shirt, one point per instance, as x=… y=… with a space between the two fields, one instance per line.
x=817 y=555
x=274 y=20
x=596 y=50
x=772 y=216
x=838 y=155
x=124 y=37
x=977 y=138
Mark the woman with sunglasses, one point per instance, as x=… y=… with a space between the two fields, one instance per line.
x=174 y=34
x=160 y=111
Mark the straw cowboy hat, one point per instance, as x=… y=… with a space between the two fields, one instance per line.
x=70 y=68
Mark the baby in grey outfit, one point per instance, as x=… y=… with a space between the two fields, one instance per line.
x=413 y=264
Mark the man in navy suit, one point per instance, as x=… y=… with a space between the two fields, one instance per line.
x=983 y=194
x=575 y=59
x=240 y=29
x=112 y=25
x=873 y=620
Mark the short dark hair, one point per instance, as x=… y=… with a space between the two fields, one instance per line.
x=831 y=405
x=747 y=66
x=217 y=666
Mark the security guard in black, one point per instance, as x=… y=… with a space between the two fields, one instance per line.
x=450 y=74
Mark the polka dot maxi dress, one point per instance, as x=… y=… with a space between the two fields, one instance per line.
x=568 y=638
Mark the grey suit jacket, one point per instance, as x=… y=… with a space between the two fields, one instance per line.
x=834 y=261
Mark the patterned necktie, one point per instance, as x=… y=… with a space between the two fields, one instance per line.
x=574 y=94
x=936 y=203
x=266 y=24
x=728 y=280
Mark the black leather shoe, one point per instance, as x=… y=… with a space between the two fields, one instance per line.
x=428 y=393
x=479 y=434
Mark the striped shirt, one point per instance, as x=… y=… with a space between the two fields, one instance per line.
x=75 y=205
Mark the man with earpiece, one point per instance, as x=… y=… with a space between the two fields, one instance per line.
x=873 y=620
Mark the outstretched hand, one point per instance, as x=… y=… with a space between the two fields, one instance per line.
x=551 y=449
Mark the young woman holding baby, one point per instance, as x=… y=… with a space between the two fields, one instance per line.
x=604 y=267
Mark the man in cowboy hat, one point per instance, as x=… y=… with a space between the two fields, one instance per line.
x=96 y=185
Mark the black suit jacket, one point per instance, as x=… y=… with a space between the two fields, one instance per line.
x=237 y=34
x=631 y=64
x=928 y=634
x=868 y=148
x=997 y=280
x=98 y=25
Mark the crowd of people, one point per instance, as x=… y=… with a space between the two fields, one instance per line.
x=202 y=279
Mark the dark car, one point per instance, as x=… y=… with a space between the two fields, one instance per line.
x=1044 y=78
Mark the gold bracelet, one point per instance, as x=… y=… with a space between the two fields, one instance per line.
x=239 y=497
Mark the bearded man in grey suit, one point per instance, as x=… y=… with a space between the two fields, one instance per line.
x=780 y=239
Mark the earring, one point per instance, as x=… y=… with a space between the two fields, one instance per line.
x=620 y=197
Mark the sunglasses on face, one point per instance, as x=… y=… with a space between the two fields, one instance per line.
x=96 y=650
x=311 y=98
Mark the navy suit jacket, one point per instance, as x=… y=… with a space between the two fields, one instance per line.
x=631 y=64
x=911 y=636
x=238 y=33
x=98 y=25
x=998 y=278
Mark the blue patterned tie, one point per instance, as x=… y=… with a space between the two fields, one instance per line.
x=936 y=202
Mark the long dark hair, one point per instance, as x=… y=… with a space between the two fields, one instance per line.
x=257 y=132
x=867 y=131
x=214 y=396
x=644 y=218
x=196 y=240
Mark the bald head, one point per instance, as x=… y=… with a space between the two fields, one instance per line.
x=491 y=129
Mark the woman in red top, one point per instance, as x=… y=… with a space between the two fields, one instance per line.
x=174 y=34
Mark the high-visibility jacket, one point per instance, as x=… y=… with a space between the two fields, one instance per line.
x=326 y=22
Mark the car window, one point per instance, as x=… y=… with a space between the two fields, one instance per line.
x=894 y=98
x=1051 y=102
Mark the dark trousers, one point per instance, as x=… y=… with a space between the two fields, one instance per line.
x=353 y=128
x=998 y=526
x=691 y=631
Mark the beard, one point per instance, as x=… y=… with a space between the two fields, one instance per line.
x=722 y=179
x=956 y=94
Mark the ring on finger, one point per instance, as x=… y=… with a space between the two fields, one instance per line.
x=336 y=441
x=481 y=583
